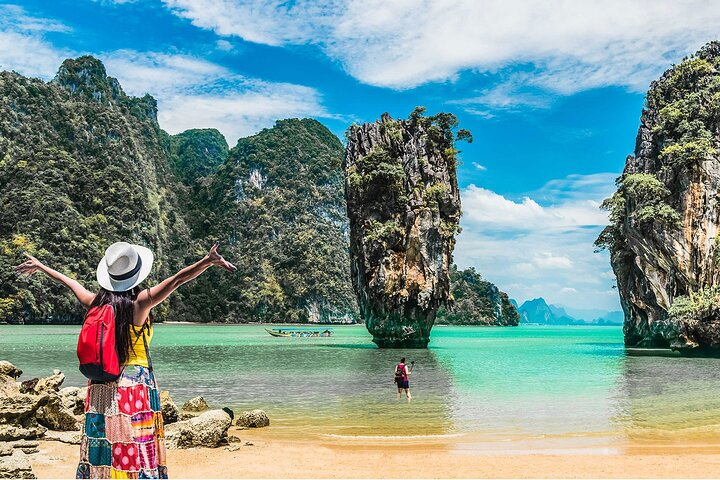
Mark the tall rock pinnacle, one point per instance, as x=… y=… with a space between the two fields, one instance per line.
x=404 y=209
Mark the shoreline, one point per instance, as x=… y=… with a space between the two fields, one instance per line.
x=272 y=457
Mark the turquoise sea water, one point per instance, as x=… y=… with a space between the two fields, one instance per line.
x=490 y=385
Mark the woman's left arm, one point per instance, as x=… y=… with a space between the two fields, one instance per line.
x=33 y=265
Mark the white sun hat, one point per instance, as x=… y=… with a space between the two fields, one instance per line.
x=124 y=266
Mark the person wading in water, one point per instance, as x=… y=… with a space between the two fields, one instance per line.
x=123 y=432
x=401 y=379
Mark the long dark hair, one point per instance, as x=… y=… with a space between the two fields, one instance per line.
x=122 y=303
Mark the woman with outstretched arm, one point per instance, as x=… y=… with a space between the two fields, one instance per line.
x=123 y=431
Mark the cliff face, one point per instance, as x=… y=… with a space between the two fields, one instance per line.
x=277 y=201
x=476 y=302
x=404 y=209
x=83 y=165
x=663 y=238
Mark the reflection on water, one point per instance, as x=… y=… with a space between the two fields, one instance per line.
x=501 y=386
x=341 y=385
x=534 y=382
x=670 y=400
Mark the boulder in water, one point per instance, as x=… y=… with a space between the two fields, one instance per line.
x=209 y=429
x=170 y=411
x=197 y=404
x=664 y=232
x=403 y=203
x=183 y=415
x=253 y=419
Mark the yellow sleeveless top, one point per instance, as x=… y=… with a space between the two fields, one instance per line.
x=137 y=355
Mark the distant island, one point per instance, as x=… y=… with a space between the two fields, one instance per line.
x=475 y=301
x=537 y=311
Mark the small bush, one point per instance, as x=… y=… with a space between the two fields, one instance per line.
x=697 y=305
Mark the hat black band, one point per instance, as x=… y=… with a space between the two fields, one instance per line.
x=130 y=274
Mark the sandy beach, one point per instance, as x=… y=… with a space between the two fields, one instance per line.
x=272 y=457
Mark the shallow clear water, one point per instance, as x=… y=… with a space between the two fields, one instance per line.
x=491 y=384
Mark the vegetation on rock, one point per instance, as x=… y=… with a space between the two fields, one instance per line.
x=404 y=210
x=83 y=165
x=197 y=153
x=664 y=222
x=476 y=302
x=278 y=200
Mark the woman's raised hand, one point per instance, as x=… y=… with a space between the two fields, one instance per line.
x=217 y=259
x=29 y=267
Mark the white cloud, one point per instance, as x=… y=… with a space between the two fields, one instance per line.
x=239 y=114
x=224 y=45
x=477 y=166
x=510 y=94
x=549 y=261
x=191 y=92
x=541 y=245
x=115 y=2
x=479 y=112
x=563 y=46
x=28 y=54
x=497 y=213
x=23 y=47
x=271 y=22
x=15 y=18
x=195 y=93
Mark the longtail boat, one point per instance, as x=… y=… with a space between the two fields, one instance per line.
x=300 y=332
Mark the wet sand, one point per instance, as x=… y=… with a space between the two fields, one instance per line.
x=272 y=456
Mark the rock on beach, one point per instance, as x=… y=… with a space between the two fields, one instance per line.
x=209 y=429
x=253 y=419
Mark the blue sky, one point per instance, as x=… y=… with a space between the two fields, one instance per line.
x=551 y=90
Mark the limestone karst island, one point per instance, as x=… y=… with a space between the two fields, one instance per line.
x=249 y=239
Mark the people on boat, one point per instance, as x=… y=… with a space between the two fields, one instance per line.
x=401 y=379
x=123 y=431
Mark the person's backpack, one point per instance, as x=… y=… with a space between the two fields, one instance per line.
x=96 y=345
x=399 y=373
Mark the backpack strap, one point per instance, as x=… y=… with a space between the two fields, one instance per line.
x=147 y=350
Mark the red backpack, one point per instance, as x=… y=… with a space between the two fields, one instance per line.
x=400 y=372
x=96 y=345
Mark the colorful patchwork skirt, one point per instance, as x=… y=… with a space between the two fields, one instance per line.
x=123 y=432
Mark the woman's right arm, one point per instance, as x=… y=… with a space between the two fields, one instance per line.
x=33 y=265
x=153 y=296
